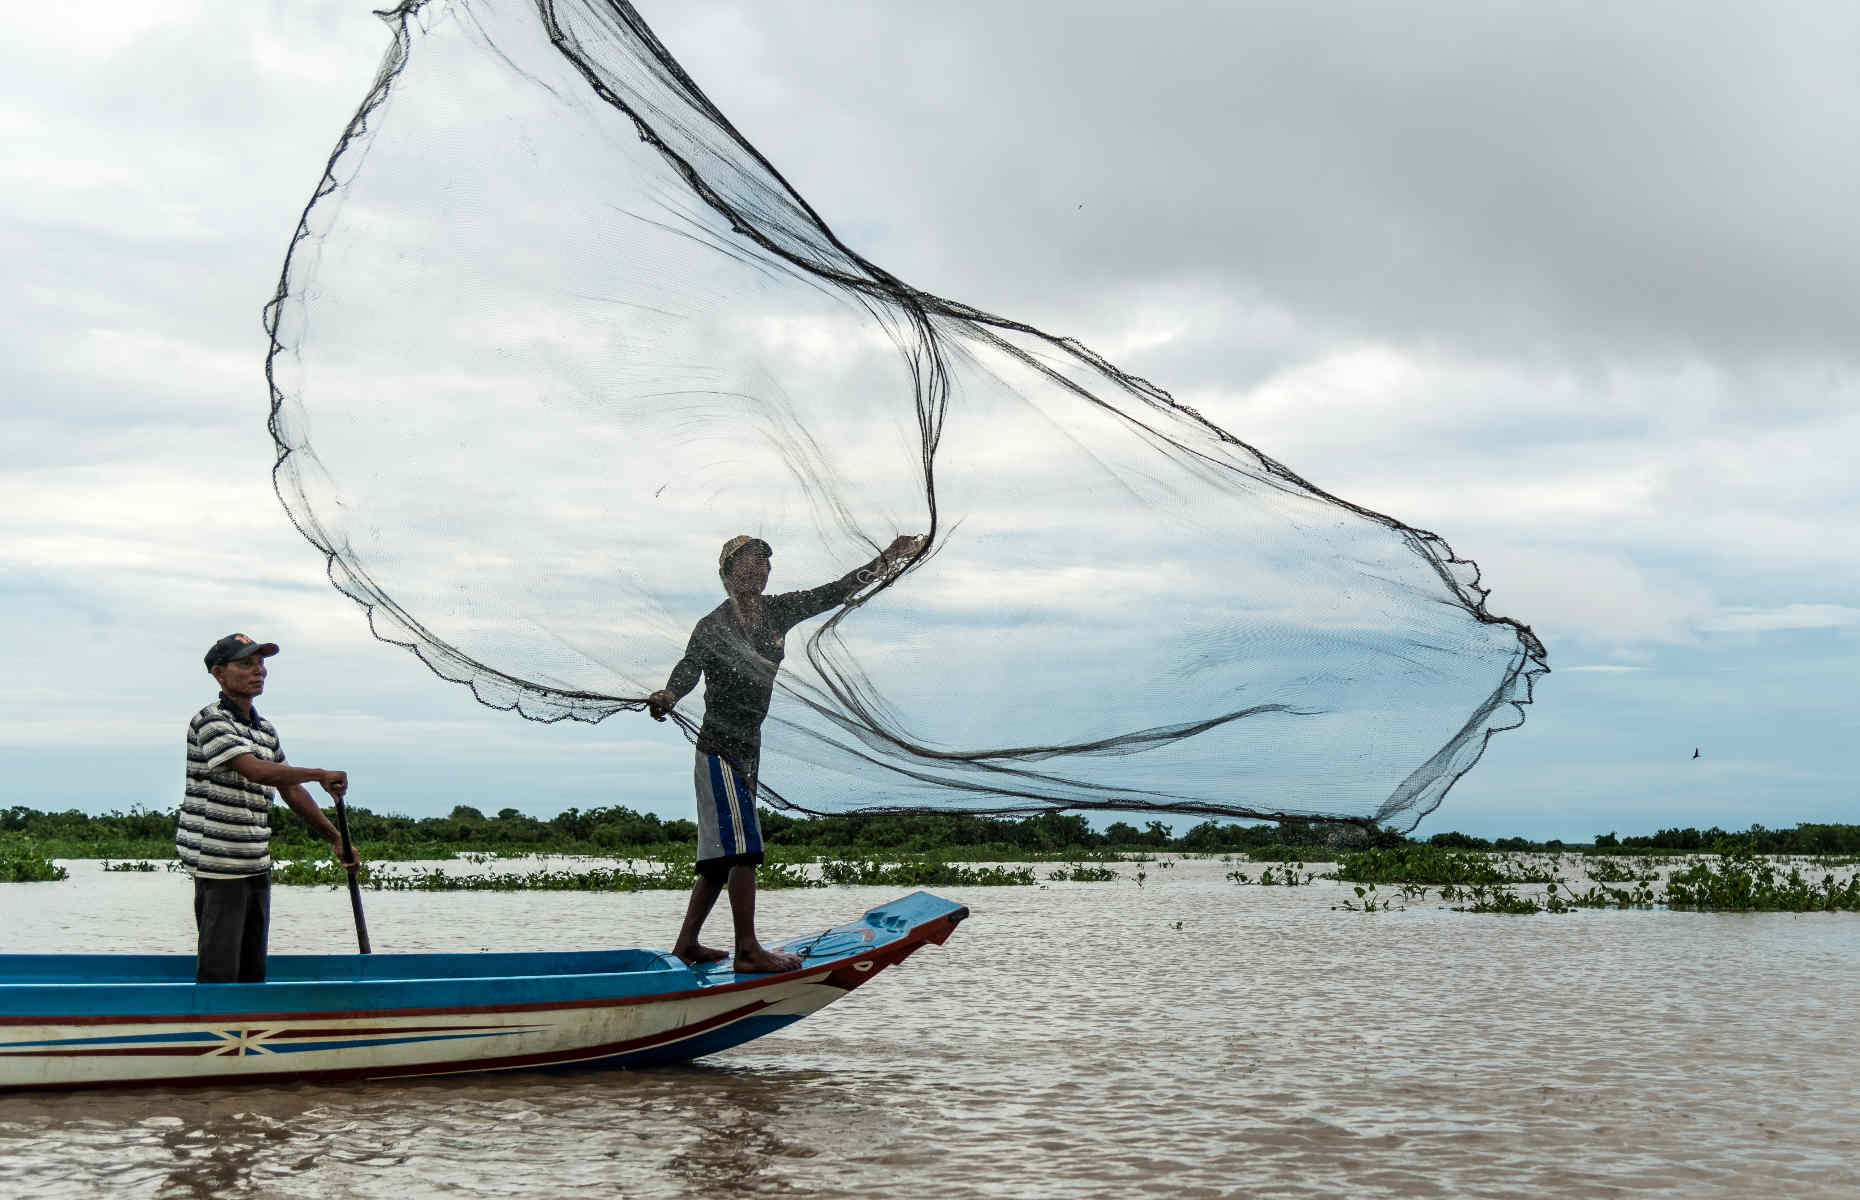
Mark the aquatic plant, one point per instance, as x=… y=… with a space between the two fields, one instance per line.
x=1418 y=863
x=672 y=874
x=1278 y=852
x=1557 y=897
x=1641 y=895
x=1739 y=880
x=1493 y=898
x=1422 y=863
x=21 y=862
x=307 y=872
x=136 y=864
x=1292 y=874
x=1367 y=901
x=922 y=874
x=1616 y=870
x=1080 y=873
x=676 y=875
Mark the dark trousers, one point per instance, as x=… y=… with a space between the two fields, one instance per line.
x=234 y=919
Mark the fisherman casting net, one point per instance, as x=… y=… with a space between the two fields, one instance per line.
x=551 y=331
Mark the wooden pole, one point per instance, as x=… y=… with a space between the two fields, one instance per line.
x=355 y=889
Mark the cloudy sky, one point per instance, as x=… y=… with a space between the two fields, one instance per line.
x=1572 y=286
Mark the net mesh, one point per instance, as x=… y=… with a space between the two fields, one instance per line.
x=550 y=330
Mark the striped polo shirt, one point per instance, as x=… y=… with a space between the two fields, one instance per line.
x=224 y=831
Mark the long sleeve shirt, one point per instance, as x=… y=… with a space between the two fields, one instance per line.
x=738 y=667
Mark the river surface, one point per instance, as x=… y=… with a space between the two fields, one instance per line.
x=1182 y=1038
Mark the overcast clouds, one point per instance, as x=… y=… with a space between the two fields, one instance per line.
x=1573 y=286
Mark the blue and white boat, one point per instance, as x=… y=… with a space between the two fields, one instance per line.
x=90 y=1020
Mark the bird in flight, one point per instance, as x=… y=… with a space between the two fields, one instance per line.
x=1695 y=752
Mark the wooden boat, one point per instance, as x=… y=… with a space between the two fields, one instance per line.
x=84 y=1020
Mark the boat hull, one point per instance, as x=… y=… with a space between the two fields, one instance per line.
x=126 y=1020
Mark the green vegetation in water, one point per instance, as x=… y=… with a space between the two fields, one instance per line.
x=914 y=849
x=1611 y=870
x=1641 y=895
x=872 y=873
x=1741 y=881
x=1419 y=862
x=22 y=862
x=1279 y=852
x=1291 y=874
x=1368 y=900
x=1499 y=898
x=1738 y=880
x=678 y=874
x=1080 y=873
x=1557 y=897
x=669 y=876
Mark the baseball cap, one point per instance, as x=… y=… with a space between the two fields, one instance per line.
x=235 y=646
x=741 y=541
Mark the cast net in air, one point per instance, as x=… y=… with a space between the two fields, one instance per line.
x=551 y=330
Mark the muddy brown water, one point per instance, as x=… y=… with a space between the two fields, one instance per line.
x=1183 y=1038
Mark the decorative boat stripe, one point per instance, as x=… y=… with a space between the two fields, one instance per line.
x=256 y=1041
x=609 y=1050
x=200 y=1035
x=272 y=1047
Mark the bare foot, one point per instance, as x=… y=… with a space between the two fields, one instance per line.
x=695 y=955
x=757 y=961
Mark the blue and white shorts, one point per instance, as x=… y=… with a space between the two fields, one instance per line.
x=728 y=833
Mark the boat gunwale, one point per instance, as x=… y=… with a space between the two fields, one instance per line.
x=659 y=960
x=890 y=952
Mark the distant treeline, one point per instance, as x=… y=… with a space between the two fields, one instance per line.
x=601 y=830
x=149 y=833
x=1803 y=839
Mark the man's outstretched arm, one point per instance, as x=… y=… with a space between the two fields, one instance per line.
x=817 y=600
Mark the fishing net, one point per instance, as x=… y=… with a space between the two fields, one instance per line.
x=551 y=330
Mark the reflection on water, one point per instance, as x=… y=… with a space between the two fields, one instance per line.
x=1185 y=1038
x=671 y=1131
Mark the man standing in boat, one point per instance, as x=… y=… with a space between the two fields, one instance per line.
x=737 y=649
x=223 y=837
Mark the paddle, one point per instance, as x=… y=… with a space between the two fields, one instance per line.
x=355 y=889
